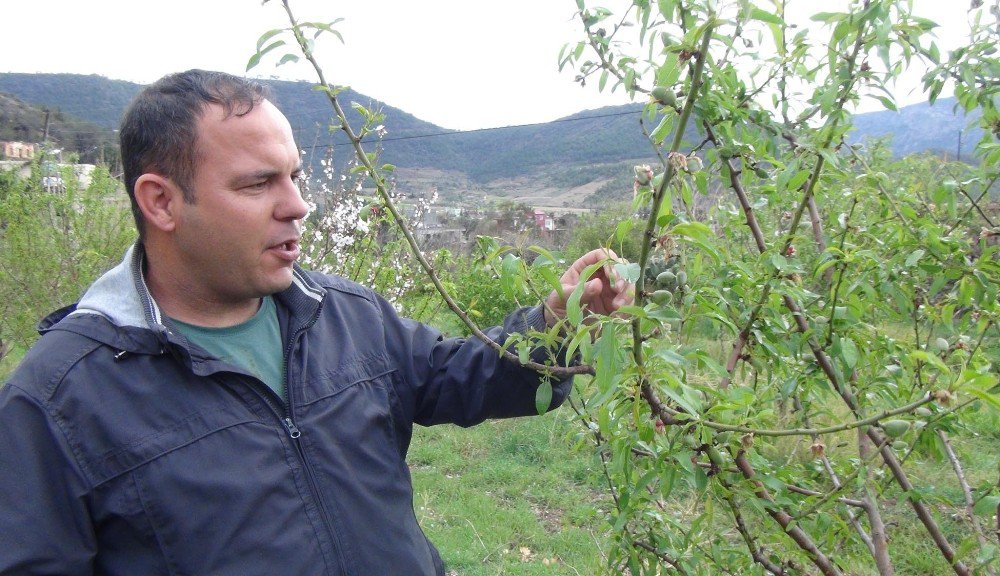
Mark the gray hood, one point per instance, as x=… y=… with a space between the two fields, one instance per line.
x=121 y=295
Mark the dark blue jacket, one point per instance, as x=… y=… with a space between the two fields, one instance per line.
x=126 y=450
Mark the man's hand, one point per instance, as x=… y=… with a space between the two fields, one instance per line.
x=604 y=293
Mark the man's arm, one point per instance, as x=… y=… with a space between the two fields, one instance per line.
x=44 y=524
x=464 y=381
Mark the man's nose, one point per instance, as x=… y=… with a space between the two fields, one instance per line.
x=292 y=206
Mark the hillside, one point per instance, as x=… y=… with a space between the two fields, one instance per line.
x=578 y=150
x=93 y=98
x=24 y=122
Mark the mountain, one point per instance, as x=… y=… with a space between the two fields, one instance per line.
x=922 y=128
x=573 y=148
x=93 y=98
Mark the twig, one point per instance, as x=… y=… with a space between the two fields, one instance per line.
x=561 y=371
x=756 y=552
x=677 y=416
x=661 y=555
x=966 y=491
x=879 y=537
x=785 y=520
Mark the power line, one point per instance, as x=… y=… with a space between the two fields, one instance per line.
x=476 y=130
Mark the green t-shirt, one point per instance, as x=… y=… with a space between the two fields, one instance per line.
x=254 y=345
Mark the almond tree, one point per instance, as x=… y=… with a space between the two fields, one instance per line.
x=793 y=351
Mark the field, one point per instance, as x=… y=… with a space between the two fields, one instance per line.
x=526 y=496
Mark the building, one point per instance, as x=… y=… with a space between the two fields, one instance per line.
x=51 y=172
x=544 y=220
x=17 y=151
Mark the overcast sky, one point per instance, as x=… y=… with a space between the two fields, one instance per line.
x=460 y=64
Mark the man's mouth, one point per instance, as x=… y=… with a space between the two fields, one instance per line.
x=287 y=250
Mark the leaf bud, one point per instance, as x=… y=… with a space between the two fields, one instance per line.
x=643 y=174
x=944 y=397
x=818 y=449
x=694 y=164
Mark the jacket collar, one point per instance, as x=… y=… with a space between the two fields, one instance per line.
x=121 y=299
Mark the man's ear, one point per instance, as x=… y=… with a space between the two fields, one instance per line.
x=159 y=199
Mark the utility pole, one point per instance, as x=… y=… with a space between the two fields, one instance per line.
x=958 y=153
x=45 y=132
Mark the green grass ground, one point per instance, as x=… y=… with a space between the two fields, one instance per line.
x=510 y=497
x=523 y=497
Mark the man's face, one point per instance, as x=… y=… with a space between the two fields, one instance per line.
x=238 y=240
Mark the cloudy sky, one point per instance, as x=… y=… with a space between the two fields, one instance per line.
x=460 y=64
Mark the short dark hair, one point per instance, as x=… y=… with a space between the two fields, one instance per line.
x=159 y=130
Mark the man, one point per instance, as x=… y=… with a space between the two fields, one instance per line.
x=208 y=407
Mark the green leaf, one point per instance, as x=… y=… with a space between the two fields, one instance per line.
x=849 y=352
x=667 y=8
x=662 y=129
x=828 y=17
x=253 y=61
x=543 y=396
x=321 y=27
x=287 y=58
x=671 y=357
x=887 y=102
x=914 y=257
x=679 y=398
x=607 y=361
x=700 y=234
x=987 y=506
x=271 y=46
x=510 y=274
x=629 y=272
x=798 y=179
x=622 y=230
x=764 y=16
x=267 y=36
x=573 y=311
x=991 y=399
x=931 y=359
x=779 y=262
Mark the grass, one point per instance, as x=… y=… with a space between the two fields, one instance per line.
x=510 y=497
x=516 y=497
x=9 y=362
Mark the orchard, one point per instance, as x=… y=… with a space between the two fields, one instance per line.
x=812 y=317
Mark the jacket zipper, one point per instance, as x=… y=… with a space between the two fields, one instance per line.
x=284 y=415
x=295 y=433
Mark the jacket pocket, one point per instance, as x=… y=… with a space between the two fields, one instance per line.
x=354 y=437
